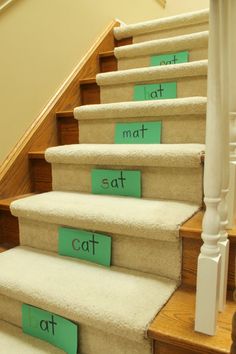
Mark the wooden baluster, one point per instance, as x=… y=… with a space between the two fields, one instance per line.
x=233 y=346
x=209 y=260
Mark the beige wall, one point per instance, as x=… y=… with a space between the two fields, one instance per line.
x=41 y=41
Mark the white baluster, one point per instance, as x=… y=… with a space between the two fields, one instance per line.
x=224 y=14
x=209 y=260
x=231 y=197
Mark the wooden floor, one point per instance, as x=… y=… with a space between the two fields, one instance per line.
x=174 y=326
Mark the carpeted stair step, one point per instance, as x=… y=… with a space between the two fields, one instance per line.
x=164 y=27
x=183 y=119
x=106 y=303
x=119 y=86
x=14 y=341
x=139 y=55
x=168 y=171
x=145 y=240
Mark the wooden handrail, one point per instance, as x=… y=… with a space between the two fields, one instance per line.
x=5 y=3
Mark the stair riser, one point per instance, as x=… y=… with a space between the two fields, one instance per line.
x=41 y=175
x=128 y=252
x=107 y=63
x=171 y=32
x=186 y=87
x=157 y=183
x=102 y=131
x=144 y=61
x=67 y=130
x=90 y=338
x=9 y=228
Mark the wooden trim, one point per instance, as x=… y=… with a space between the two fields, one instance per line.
x=5 y=203
x=193 y=228
x=174 y=325
x=15 y=170
x=5 y=3
x=65 y=114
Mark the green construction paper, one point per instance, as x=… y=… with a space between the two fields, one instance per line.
x=51 y=328
x=155 y=91
x=138 y=133
x=116 y=182
x=85 y=245
x=171 y=58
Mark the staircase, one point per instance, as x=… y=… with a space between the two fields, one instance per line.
x=135 y=306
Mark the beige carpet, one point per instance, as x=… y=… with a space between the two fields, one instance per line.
x=114 y=300
x=14 y=341
x=139 y=55
x=113 y=306
x=183 y=20
x=97 y=123
x=152 y=219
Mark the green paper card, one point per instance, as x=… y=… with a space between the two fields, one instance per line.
x=168 y=59
x=85 y=245
x=155 y=91
x=51 y=328
x=116 y=182
x=138 y=133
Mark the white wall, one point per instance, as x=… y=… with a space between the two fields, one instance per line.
x=41 y=41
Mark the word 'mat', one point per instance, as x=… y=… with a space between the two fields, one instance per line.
x=138 y=133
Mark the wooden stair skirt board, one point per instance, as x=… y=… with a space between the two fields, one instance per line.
x=172 y=329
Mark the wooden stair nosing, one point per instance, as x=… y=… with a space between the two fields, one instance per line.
x=64 y=114
x=192 y=228
x=88 y=81
x=5 y=203
x=174 y=326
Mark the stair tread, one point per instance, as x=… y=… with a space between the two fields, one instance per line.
x=36 y=155
x=13 y=340
x=163 y=72
x=110 y=214
x=114 y=299
x=182 y=20
x=193 y=228
x=159 y=46
x=5 y=203
x=175 y=325
x=65 y=114
x=159 y=155
x=106 y=54
x=168 y=107
x=86 y=81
